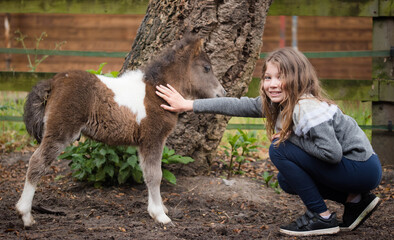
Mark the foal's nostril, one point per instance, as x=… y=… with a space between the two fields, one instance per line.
x=223 y=94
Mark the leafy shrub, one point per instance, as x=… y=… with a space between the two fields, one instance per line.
x=99 y=163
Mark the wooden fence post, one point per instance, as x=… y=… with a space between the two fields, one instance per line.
x=383 y=73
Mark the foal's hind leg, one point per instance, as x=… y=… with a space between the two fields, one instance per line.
x=38 y=164
x=150 y=162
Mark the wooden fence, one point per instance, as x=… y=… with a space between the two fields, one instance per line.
x=379 y=88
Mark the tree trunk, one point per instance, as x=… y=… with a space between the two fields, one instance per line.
x=232 y=31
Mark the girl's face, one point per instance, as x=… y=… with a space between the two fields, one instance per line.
x=273 y=83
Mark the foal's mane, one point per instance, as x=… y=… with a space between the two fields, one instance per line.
x=154 y=69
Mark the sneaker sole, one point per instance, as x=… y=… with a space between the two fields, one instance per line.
x=325 y=231
x=363 y=216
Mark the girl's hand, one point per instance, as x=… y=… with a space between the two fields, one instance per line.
x=277 y=135
x=175 y=100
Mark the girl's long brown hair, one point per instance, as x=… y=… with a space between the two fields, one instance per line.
x=298 y=78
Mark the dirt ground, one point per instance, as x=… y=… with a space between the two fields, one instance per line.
x=201 y=207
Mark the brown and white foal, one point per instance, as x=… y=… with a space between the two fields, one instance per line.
x=116 y=111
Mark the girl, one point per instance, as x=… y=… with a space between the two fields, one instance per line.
x=320 y=152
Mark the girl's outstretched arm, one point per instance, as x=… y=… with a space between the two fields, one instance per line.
x=175 y=100
x=230 y=106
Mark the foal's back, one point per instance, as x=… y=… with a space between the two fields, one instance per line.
x=80 y=102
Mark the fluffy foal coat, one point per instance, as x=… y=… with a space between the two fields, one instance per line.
x=116 y=111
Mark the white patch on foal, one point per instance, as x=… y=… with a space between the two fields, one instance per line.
x=129 y=90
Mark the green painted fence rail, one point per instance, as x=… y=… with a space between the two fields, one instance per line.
x=11 y=118
x=334 y=54
x=63 y=52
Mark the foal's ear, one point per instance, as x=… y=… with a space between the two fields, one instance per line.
x=198 y=47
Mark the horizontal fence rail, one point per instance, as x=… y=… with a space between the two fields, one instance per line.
x=341 y=54
x=334 y=54
x=63 y=52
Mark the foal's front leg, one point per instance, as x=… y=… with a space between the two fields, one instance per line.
x=150 y=162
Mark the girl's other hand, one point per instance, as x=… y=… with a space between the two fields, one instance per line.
x=175 y=100
x=277 y=135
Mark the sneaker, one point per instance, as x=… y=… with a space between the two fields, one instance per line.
x=356 y=213
x=311 y=224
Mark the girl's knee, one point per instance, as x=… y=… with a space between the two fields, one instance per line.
x=276 y=152
x=284 y=185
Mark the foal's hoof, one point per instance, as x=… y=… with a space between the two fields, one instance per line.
x=163 y=219
x=168 y=225
x=28 y=220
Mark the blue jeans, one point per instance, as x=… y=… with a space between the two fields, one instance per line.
x=314 y=180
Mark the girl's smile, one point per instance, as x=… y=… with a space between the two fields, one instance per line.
x=273 y=84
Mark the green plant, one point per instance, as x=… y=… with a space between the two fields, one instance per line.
x=232 y=152
x=99 y=71
x=33 y=65
x=248 y=144
x=169 y=157
x=96 y=162
x=241 y=144
x=99 y=163
x=275 y=186
x=267 y=177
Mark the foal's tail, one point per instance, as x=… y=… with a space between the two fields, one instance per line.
x=34 y=110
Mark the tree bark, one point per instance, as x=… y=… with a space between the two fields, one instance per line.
x=233 y=31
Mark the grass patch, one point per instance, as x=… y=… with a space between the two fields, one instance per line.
x=13 y=136
x=360 y=111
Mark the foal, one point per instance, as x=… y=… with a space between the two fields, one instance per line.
x=116 y=111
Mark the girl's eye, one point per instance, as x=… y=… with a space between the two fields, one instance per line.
x=267 y=77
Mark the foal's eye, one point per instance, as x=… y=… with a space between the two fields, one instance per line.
x=207 y=68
